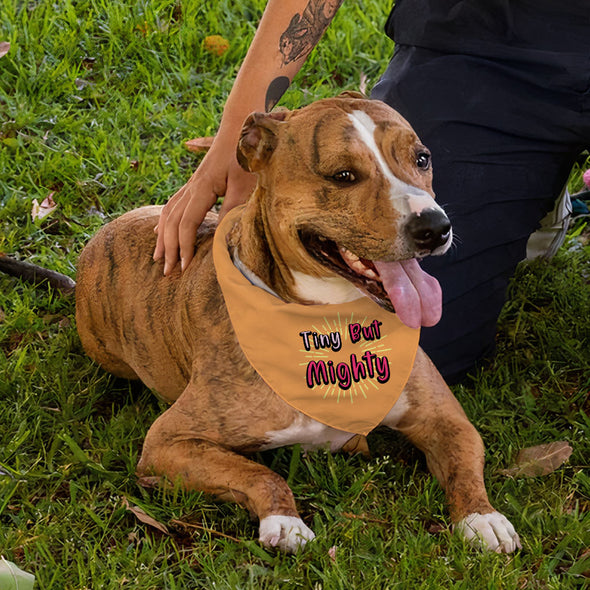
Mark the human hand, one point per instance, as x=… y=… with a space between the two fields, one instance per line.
x=218 y=175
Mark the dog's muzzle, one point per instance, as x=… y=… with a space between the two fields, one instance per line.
x=429 y=231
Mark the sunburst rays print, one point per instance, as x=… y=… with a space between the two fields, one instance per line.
x=343 y=358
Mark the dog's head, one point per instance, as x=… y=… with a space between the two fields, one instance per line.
x=345 y=188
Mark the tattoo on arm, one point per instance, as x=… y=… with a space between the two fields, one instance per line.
x=297 y=41
x=305 y=29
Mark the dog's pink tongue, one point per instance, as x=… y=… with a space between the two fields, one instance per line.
x=416 y=296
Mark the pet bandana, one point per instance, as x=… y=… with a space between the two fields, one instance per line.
x=344 y=365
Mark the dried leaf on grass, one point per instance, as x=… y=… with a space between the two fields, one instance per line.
x=142 y=516
x=357 y=445
x=199 y=144
x=13 y=578
x=4 y=48
x=215 y=44
x=539 y=460
x=44 y=209
x=363 y=84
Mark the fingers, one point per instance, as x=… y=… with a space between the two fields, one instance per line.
x=159 y=229
x=184 y=213
x=191 y=219
x=179 y=221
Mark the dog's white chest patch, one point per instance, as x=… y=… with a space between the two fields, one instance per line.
x=326 y=289
x=309 y=433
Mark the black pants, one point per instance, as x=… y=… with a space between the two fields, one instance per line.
x=504 y=136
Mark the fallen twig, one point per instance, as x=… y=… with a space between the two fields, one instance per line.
x=36 y=275
x=200 y=527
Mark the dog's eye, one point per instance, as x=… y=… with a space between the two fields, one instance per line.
x=423 y=160
x=344 y=176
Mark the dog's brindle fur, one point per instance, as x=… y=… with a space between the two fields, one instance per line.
x=174 y=332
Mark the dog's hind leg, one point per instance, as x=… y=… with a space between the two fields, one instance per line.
x=433 y=420
x=171 y=452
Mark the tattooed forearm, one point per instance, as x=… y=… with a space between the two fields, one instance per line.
x=297 y=41
x=305 y=29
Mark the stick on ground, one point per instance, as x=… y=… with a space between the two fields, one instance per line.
x=36 y=275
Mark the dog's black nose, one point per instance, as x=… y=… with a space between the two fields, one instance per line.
x=429 y=229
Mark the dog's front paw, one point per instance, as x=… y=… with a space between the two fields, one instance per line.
x=288 y=533
x=491 y=531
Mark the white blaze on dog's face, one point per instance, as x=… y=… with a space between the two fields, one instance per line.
x=347 y=190
x=405 y=197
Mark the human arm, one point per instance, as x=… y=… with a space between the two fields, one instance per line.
x=288 y=31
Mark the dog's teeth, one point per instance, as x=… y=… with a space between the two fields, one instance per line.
x=350 y=258
x=354 y=262
x=347 y=254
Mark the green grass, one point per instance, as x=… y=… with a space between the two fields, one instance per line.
x=96 y=98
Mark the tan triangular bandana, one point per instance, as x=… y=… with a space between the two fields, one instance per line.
x=344 y=365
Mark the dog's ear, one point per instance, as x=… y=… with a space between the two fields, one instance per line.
x=259 y=139
x=352 y=94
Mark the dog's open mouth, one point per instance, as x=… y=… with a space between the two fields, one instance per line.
x=400 y=286
x=359 y=271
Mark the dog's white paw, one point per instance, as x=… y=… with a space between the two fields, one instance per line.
x=288 y=533
x=491 y=531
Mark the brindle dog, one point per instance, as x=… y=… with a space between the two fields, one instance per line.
x=344 y=193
